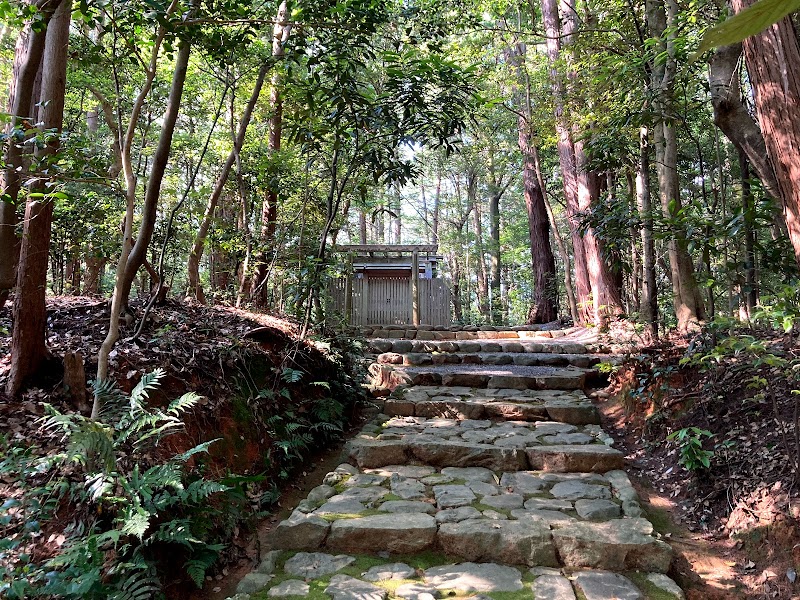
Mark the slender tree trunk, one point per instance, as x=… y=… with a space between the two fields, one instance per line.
x=649 y=303
x=773 y=64
x=436 y=209
x=482 y=275
x=748 y=211
x=160 y=158
x=636 y=264
x=362 y=227
x=495 y=193
x=687 y=300
x=28 y=341
x=269 y=210
x=118 y=299
x=195 y=289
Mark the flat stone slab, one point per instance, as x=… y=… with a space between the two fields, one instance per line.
x=472 y=577
x=493 y=376
x=508 y=542
x=499 y=446
x=553 y=587
x=290 y=587
x=390 y=572
x=477 y=580
x=344 y=587
x=399 y=533
x=313 y=565
x=616 y=545
x=602 y=586
x=568 y=406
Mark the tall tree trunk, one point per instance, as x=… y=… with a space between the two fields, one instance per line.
x=634 y=297
x=495 y=193
x=436 y=209
x=649 y=303
x=733 y=118
x=566 y=156
x=543 y=305
x=195 y=289
x=605 y=293
x=396 y=206
x=481 y=275
x=269 y=210
x=22 y=98
x=748 y=212
x=773 y=65
x=362 y=227
x=160 y=158
x=28 y=341
x=662 y=20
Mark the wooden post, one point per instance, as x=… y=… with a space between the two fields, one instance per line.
x=348 y=292
x=365 y=307
x=415 y=288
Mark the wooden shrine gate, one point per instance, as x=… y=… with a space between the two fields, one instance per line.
x=388 y=301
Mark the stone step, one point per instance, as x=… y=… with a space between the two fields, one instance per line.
x=352 y=576
x=404 y=333
x=483 y=376
x=417 y=359
x=379 y=346
x=527 y=518
x=500 y=446
x=571 y=407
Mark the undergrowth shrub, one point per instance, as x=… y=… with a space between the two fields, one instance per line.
x=131 y=504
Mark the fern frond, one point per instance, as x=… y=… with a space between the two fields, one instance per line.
x=149 y=381
x=201 y=561
x=184 y=403
x=200 y=448
x=137 y=586
x=113 y=401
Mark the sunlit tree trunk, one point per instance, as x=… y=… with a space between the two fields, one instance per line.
x=566 y=157
x=543 y=303
x=28 y=341
x=648 y=306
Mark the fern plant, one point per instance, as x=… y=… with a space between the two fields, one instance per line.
x=135 y=506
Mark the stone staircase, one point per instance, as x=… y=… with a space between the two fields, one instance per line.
x=481 y=477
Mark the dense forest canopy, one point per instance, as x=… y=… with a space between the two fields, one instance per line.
x=581 y=161
x=576 y=160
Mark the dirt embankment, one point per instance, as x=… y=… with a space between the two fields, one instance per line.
x=272 y=401
x=734 y=525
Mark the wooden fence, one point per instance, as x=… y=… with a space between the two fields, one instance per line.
x=387 y=301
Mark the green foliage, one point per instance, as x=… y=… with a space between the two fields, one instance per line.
x=133 y=500
x=748 y=22
x=692 y=456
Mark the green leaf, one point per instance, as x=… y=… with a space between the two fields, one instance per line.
x=750 y=21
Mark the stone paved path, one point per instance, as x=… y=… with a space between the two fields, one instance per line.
x=470 y=485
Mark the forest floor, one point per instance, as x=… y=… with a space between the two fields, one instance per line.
x=734 y=526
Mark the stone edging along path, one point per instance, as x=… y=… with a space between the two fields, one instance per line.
x=460 y=491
